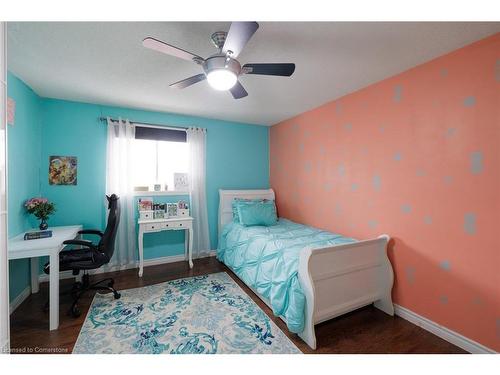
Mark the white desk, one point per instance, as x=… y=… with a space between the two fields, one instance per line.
x=158 y=225
x=18 y=248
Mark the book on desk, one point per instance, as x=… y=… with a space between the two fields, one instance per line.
x=35 y=235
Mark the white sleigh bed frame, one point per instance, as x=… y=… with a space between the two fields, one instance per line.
x=335 y=280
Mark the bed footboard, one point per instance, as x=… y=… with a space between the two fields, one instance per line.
x=339 y=279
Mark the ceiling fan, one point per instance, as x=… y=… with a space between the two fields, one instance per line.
x=222 y=70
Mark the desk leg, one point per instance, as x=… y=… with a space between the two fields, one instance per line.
x=186 y=244
x=190 y=248
x=141 y=251
x=54 y=290
x=34 y=275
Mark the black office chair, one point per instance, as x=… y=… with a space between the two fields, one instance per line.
x=91 y=256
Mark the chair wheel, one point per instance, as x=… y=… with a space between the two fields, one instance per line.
x=117 y=295
x=75 y=311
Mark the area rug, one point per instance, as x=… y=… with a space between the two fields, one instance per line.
x=198 y=315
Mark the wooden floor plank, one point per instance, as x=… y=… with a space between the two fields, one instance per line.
x=366 y=330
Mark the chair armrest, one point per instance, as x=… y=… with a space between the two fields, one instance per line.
x=91 y=231
x=85 y=243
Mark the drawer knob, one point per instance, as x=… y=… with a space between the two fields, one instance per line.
x=180 y=225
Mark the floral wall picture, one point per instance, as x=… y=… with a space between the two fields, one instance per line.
x=62 y=170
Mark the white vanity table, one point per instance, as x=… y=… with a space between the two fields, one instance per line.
x=158 y=225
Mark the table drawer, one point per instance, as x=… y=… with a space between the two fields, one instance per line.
x=175 y=225
x=152 y=227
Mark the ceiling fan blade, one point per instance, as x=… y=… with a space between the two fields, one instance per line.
x=285 y=70
x=238 y=91
x=238 y=36
x=163 y=47
x=188 y=81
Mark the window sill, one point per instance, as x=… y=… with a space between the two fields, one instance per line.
x=159 y=193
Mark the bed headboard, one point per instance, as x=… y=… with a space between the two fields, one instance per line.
x=226 y=198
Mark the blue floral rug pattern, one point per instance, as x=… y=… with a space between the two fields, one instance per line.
x=198 y=315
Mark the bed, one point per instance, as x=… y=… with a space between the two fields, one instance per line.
x=305 y=275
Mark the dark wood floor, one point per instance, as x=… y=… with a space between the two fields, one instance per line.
x=366 y=330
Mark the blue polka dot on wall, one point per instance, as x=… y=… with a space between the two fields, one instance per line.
x=476 y=162
x=372 y=224
x=470 y=223
x=338 y=108
x=450 y=132
x=338 y=209
x=470 y=101
x=445 y=265
x=348 y=127
x=398 y=93
x=443 y=299
x=448 y=180
x=428 y=219
x=377 y=182
x=341 y=170
x=405 y=208
x=308 y=166
x=354 y=186
x=397 y=156
x=410 y=273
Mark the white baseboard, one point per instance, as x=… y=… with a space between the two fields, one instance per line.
x=14 y=304
x=446 y=334
x=148 y=262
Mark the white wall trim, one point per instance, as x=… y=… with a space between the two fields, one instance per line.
x=148 y=262
x=16 y=302
x=446 y=334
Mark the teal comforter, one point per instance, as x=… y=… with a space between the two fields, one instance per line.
x=267 y=260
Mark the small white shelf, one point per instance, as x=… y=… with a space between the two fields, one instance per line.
x=159 y=193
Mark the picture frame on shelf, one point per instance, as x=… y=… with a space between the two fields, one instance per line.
x=181 y=182
x=145 y=204
x=172 y=210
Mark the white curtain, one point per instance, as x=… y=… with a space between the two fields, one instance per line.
x=196 y=138
x=121 y=135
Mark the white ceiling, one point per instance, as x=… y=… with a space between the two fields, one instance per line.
x=105 y=63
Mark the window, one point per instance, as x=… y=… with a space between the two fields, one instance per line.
x=157 y=155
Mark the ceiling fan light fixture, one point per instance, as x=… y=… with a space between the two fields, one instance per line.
x=221 y=79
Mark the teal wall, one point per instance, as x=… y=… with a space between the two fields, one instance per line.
x=237 y=158
x=24 y=150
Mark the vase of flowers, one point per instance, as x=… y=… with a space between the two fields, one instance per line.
x=42 y=209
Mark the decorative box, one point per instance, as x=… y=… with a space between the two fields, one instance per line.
x=183 y=212
x=146 y=215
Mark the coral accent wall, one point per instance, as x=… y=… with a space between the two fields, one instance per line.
x=416 y=156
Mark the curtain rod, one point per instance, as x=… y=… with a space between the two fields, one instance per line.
x=147 y=124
